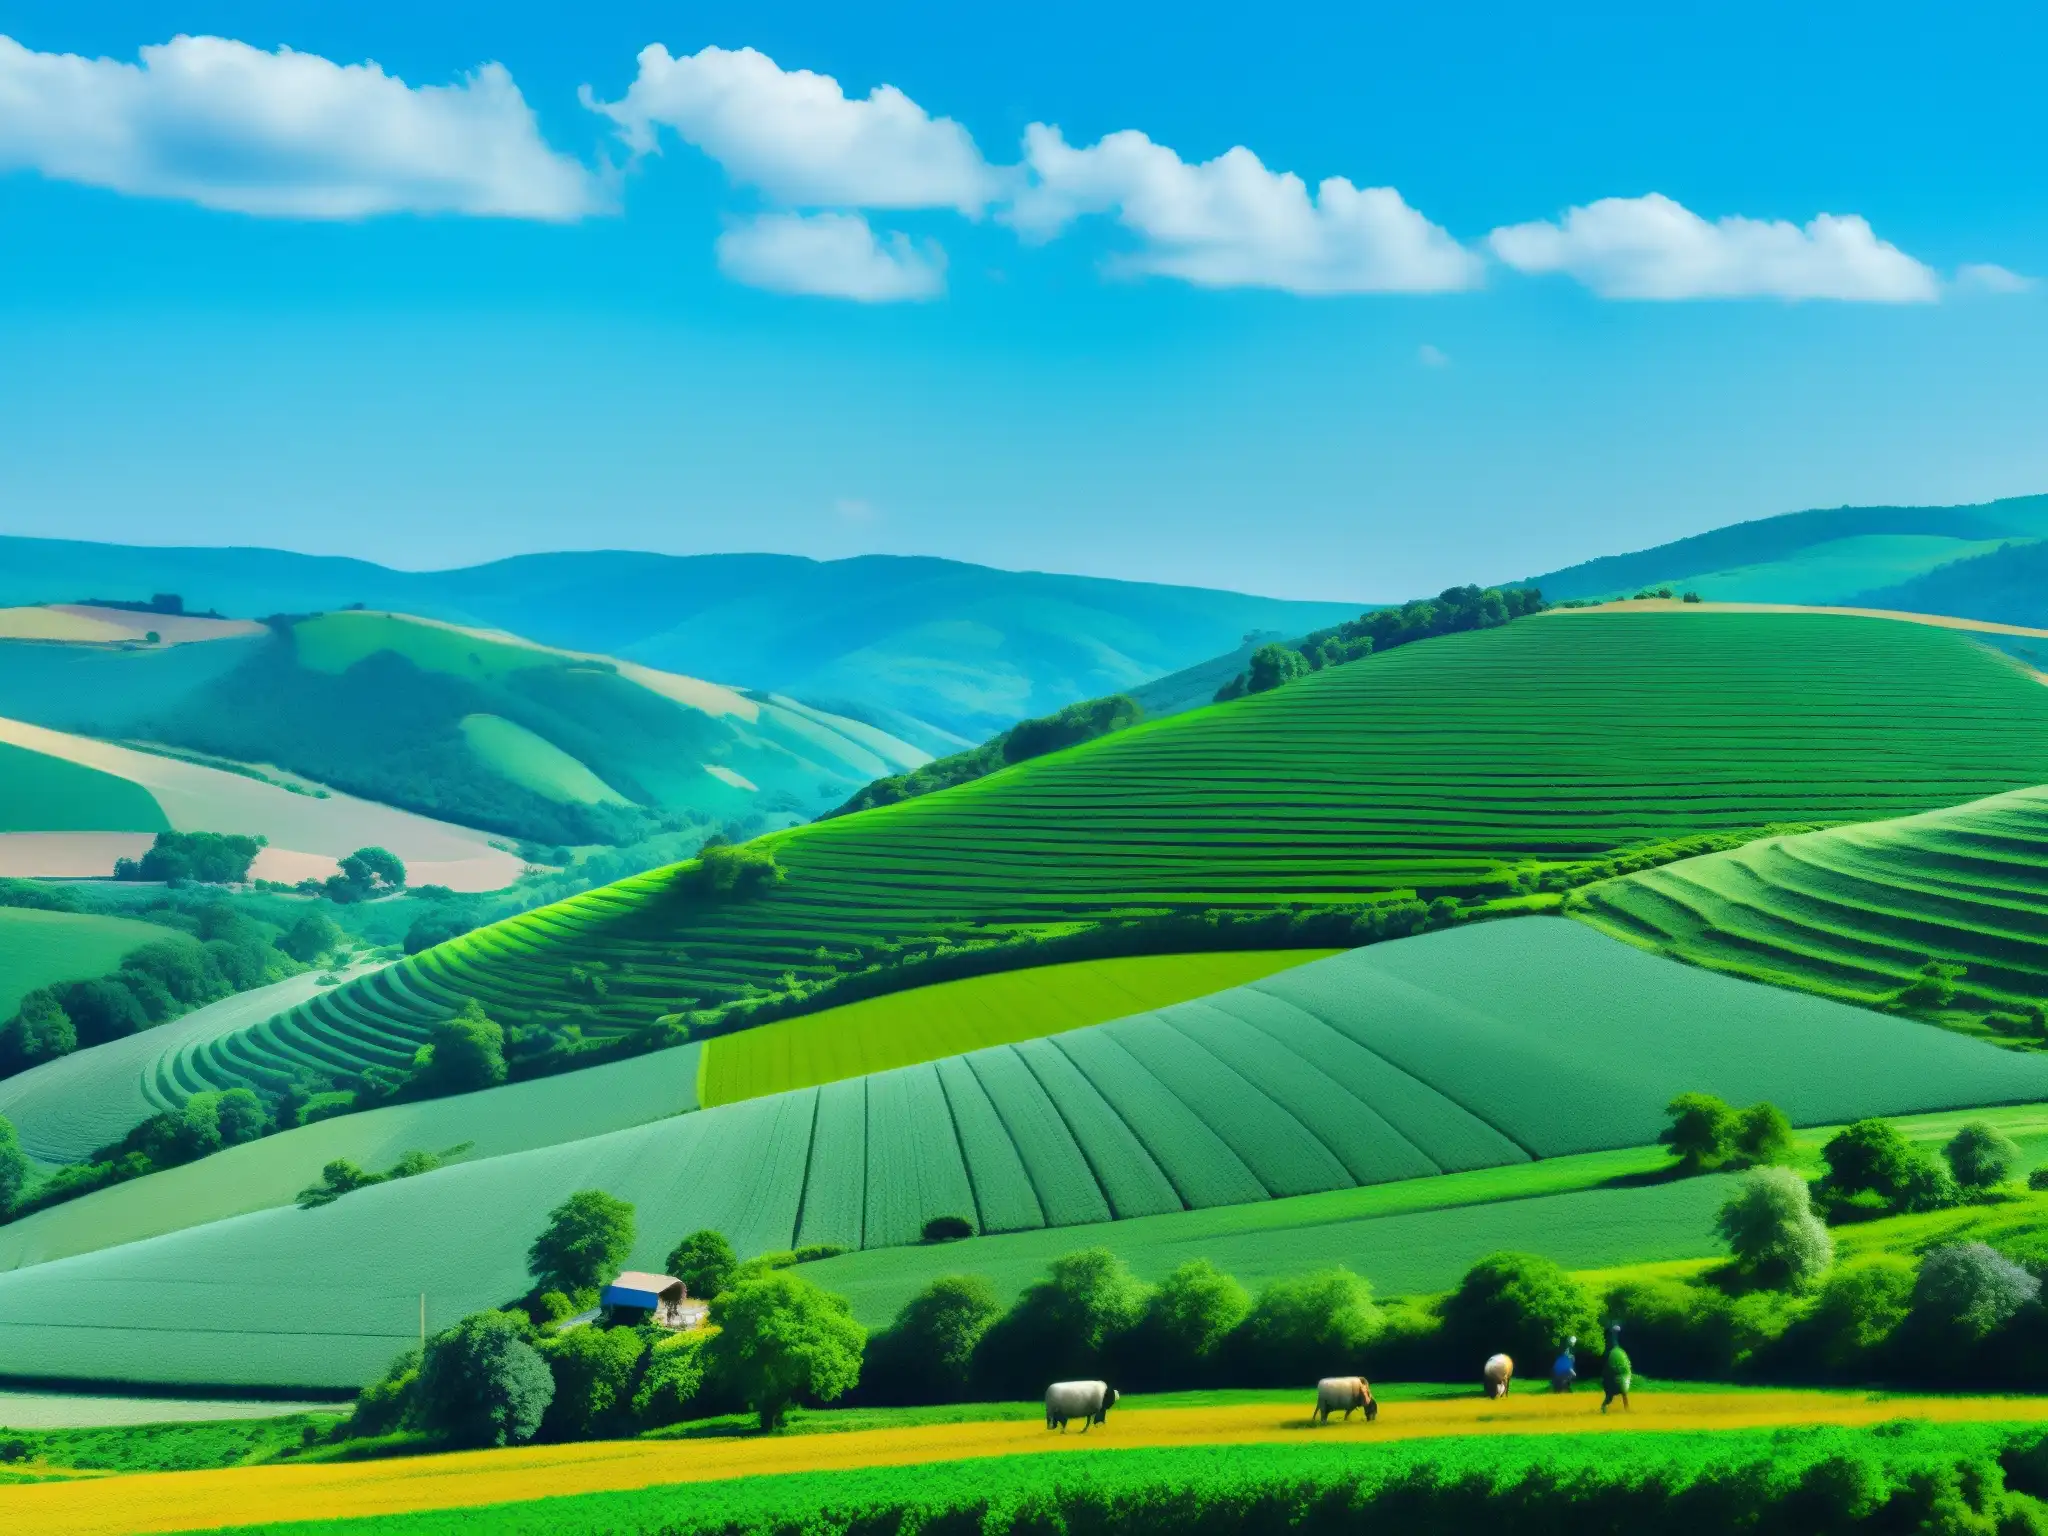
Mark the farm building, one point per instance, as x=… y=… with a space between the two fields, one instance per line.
x=635 y=1297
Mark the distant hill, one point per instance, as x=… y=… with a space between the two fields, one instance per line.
x=1830 y=555
x=2009 y=584
x=938 y=652
x=470 y=726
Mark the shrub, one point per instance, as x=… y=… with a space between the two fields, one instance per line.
x=594 y=1371
x=1967 y=1290
x=1178 y=1341
x=239 y=1116
x=310 y=937
x=461 y=1055
x=1981 y=1156
x=1273 y=666
x=1519 y=1303
x=1872 y=1158
x=781 y=1340
x=704 y=1262
x=1701 y=1133
x=13 y=1169
x=1062 y=1326
x=1762 y=1136
x=1689 y=1330
x=1857 y=1311
x=1769 y=1225
x=736 y=869
x=927 y=1354
x=585 y=1241
x=39 y=1031
x=338 y=1178
x=674 y=1378
x=1302 y=1329
x=385 y=1405
x=214 y=858
x=947 y=1229
x=1933 y=987
x=483 y=1384
x=2038 y=1179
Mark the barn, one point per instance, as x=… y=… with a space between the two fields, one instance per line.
x=637 y=1297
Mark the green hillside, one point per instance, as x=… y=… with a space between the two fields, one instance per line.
x=949 y=1017
x=1459 y=766
x=2007 y=584
x=1479 y=1047
x=941 y=653
x=1854 y=912
x=37 y=948
x=1830 y=555
x=482 y=729
x=39 y=793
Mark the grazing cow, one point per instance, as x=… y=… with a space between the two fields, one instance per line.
x=1088 y=1401
x=1498 y=1375
x=1348 y=1393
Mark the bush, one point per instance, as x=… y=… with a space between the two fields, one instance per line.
x=1968 y=1290
x=1762 y=1136
x=240 y=1117
x=595 y=1372
x=39 y=1031
x=1701 y=1133
x=461 y=1055
x=385 y=1405
x=1981 y=1156
x=1855 y=1314
x=1517 y=1303
x=483 y=1384
x=585 y=1241
x=2038 y=1179
x=947 y=1229
x=1871 y=1158
x=1273 y=666
x=213 y=858
x=736 y=869
x=781 y=1340
x=14 y=1171
x=704 y=1262
x=1302 y=1329
x=1689 y=1330
x=927 y=1354
x=1063 y=1326
x=1769 y=1225
x=310 y=937
x=674 y=1378
x=1179 y=1340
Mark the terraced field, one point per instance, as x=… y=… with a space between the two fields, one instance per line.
x=1470 y=1049
x=950 y=1017
x=1436 y=768
x=1854 y=912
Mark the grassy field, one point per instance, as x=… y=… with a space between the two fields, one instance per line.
x=534 y=762
x=1441 y=767
x=952 y=1017
x=44 y=793
x=706 y=1484
x=1356 y=1070
x=37 y=948
x=1853 y=912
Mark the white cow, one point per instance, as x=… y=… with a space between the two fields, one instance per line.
x=1346 y=1394
x=1088 y=1401
x=1498 y=1375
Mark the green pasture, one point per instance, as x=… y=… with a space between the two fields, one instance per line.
x=1855 y=911
x=1476 y=1049
x=40 y=793
x=533 y=762
x=334 y=642
x=903 y=1028
x=1440 y=768
x=37 y=948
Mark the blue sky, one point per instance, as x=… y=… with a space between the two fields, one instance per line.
x=240 y=302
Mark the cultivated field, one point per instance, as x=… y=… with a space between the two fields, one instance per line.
x=90 y=785
x=1477 y=1047
x=1855 y=911
x=37 y=948
x=1434 y=768
x=951 y=1017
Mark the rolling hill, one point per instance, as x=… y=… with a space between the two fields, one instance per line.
x=938 y=652
x=1359 y=1069
x=37 y=948
x=2008 y=584
x=1854 y=912
x=1848 y=555
x=1461 y=767
x=480 y=728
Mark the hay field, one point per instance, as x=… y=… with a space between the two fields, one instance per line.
x=1434 y=768
x=153 y=1502
x=950 y=1017
x=1853 y=912
x=37 y=948
x=1479 y=1047
x=120 y=789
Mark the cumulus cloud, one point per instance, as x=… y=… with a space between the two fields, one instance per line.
x=287 y=135
x=799 y=138
x=1988 y=277
x=1230 y=222
x=1654 y=248
x=835 y=255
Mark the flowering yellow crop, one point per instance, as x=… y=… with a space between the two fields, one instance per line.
x=184 y=1501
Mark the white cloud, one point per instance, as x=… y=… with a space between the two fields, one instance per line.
x=1988 y=277
x=835 y=255
x=799 y=138
x=1654 y=248
x=287 y=135
x=1432 y=357
x=1230 y=222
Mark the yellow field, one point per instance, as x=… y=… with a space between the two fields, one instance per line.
x=950 y=1017
x=184 y=1501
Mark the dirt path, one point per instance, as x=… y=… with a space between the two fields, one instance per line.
x=183 y=1501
